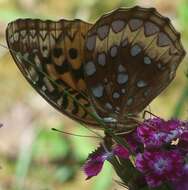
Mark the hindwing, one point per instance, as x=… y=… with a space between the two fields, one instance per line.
x=131 y=56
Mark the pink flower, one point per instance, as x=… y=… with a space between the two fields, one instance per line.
x=94 y=165
x=156 y=132
x=160 y=166
x=95 y=161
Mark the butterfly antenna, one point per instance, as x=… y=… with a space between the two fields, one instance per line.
x=72 y=134
x=92 y=131
x=150 y=114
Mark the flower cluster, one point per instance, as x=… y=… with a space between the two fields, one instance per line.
x=159 y=149
x=154 y=133
x=163 y=159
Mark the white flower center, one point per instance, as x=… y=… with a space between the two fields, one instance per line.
x=160 y=165
x=107 y=155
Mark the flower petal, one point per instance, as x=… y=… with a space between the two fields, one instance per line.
x=153 y=181
x=121 y=152
x=156 y=132
x=93 y=167
x=133 y=141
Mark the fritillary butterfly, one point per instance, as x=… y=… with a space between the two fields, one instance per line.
x=114 y=67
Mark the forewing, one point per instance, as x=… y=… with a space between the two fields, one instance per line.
x=50 y=56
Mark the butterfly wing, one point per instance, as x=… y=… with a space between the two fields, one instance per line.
x=131 y=56
x=50 y=56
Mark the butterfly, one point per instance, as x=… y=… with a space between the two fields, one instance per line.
x=113 y=68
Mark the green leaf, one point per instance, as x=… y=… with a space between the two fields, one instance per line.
x=64 y=173
x=50 y=144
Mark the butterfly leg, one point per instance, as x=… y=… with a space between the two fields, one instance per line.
x=148 y=112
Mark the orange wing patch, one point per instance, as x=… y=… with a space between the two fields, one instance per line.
x=50 y=56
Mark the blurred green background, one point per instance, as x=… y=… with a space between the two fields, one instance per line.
x=32 y=157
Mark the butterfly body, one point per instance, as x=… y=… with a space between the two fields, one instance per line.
x=113 y=68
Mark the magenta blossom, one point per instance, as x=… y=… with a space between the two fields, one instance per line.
x=95 y=161
x=156 y=132
x=160 y=166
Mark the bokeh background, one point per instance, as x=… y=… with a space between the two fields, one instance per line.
x=32 y=156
